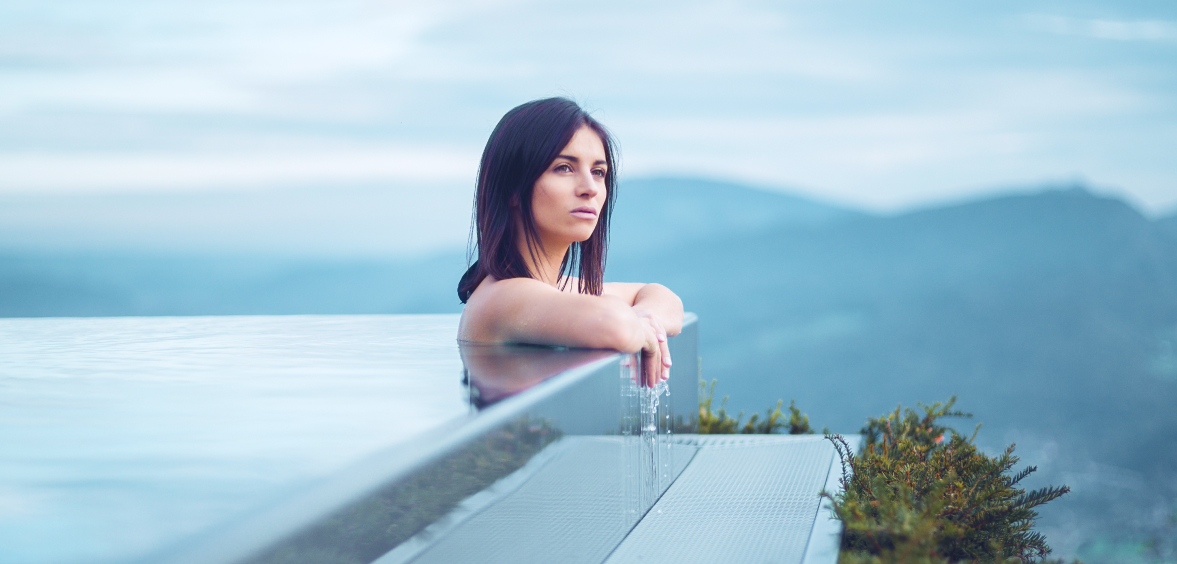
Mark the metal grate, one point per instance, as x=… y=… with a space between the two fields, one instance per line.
x=570 y=509
x=741 y=499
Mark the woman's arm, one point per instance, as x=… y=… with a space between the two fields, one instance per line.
x=523 y=310
x=653 y=298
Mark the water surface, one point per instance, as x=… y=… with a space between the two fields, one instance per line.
x=119 y=436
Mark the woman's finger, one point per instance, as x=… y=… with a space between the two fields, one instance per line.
x=653 y=365
x=665 y=366
x=661 y=368
x=663 y=350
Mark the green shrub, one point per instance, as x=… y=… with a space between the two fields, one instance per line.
x=712 y=423
x=920 y=492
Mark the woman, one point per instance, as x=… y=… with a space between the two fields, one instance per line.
x=546 y=186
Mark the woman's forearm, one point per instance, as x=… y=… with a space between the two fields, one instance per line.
x=664 y=304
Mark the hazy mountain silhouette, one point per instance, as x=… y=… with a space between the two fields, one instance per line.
x=196 y=277
x=115 y=284
x=1169 y=224
x=1053 y=315
x=660 y=212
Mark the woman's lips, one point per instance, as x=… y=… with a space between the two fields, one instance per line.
x=585 y=213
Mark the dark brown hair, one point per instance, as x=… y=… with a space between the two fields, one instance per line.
x=521 y=147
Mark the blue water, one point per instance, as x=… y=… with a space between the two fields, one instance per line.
x=120 y=436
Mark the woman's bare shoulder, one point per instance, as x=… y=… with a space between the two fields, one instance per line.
x=490 y=302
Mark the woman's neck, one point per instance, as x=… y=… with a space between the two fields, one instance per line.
x=545 y=265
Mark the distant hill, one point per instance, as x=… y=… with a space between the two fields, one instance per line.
x=307 y=251
x=121 y=283
x=1057 y=282
x=658 y=212
x=1169 y=224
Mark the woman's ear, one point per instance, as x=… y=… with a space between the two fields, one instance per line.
x=514 y=201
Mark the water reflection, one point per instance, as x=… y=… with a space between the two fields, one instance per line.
x=492 y=372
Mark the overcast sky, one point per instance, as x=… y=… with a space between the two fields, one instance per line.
x=883 y=105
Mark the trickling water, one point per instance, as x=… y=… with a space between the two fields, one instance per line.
x=665 y=418
x=655 y=443
x=646 y=426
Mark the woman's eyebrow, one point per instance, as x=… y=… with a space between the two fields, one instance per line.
x=576 y=160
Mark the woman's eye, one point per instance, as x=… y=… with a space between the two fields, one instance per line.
x=563 y=168
x=599 y=172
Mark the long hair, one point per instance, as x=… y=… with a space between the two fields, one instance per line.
x=520 y=149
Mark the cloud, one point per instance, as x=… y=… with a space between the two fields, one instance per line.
x=1119 y=30
x=883 y=104
x=122 y=55
x=50 y=172
x=152 y=91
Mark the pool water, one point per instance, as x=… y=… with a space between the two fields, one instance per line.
x=120 y=436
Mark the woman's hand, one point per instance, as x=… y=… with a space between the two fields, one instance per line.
x=655 y=351
x=660 y=313
x=654 y=298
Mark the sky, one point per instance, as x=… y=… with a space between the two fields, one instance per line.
x=880 y=105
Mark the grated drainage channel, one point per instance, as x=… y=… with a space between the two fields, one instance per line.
x=742 y=499
x=564 y=506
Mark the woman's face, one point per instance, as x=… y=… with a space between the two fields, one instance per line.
x=569 y=195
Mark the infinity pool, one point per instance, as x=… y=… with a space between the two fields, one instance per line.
x=119 y=436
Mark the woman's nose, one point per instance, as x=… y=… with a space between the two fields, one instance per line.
x=587 y=187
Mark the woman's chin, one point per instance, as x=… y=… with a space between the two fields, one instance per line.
x=570 y=233
x=580 y=235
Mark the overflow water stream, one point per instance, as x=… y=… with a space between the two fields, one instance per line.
x=646 y=428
